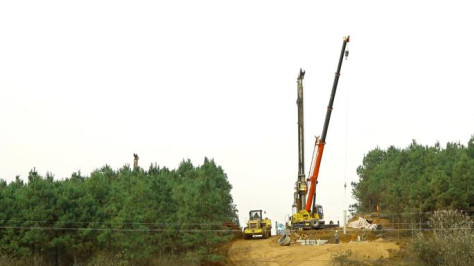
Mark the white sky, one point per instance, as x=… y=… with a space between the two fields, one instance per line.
x=89 y=83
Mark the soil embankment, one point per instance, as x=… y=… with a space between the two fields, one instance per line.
x=268 y=252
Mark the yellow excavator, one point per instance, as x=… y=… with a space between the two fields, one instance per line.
x=306 y=213
x=257 y=225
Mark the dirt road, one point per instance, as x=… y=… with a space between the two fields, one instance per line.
x=268 y=252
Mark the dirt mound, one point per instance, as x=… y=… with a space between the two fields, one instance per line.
x=268 y=252
x=375 y=218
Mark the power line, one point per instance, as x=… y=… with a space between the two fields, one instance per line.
x=112 y=223
x=117 y=229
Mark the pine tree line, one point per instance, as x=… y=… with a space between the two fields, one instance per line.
x=417 y=178
x=131 y=213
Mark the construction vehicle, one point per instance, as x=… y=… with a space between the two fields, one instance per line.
x=306 y=213
x=257 y=225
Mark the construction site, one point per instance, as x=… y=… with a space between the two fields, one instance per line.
x=262 y=133
x=307 y=238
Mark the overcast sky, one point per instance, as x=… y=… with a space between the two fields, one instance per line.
x=89 y=83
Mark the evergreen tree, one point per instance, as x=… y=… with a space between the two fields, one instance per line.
x=417 y=178
x=134 y=214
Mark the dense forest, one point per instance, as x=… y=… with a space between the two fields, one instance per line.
x=417 y=178
x=131 y=215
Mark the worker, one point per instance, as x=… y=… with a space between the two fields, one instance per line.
x=256 y=215
x=336 y=237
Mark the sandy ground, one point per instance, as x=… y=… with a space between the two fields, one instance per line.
x=268 y=252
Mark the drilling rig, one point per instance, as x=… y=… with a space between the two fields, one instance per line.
x=306 y=213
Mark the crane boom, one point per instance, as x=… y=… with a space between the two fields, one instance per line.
x=320 y=142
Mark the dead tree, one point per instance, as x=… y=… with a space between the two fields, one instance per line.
x=135 y=161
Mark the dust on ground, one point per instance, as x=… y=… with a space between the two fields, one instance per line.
x=268 y=252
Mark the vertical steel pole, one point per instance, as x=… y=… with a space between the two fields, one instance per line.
x=301 y=184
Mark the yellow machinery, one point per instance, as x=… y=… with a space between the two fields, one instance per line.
x=306 y=213
x=306 y=220
x=257 y=225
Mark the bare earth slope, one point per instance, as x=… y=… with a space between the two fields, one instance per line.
x=268 y=252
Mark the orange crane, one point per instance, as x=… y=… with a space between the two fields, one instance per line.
x=312 y=216
x=320 y=142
